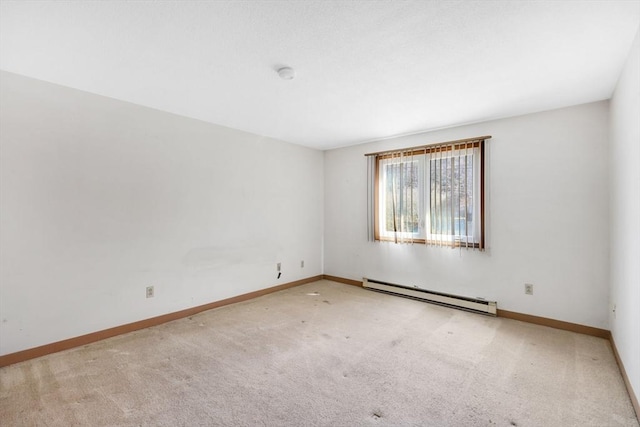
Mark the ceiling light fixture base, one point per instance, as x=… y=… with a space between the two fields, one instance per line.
x=286 y=73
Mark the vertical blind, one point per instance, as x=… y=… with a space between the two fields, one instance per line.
x=431 y=194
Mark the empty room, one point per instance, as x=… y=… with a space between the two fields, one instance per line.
x=319 y=213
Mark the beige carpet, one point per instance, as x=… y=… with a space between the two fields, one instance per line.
x=325 y=354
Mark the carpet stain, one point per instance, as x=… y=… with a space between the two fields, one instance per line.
x=376 y=415
x=395 y=342
x=513 y=423
x=326 y=302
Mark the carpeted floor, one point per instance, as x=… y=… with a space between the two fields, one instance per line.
x=325 y=354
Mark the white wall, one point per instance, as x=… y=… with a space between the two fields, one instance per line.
x=625 y=216
x=546 y=221
x=100 y=198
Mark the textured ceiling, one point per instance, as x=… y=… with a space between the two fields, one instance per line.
x=365 y=69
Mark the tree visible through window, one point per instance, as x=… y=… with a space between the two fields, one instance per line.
x=432 y=194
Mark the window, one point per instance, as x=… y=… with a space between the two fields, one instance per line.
x=432 y=194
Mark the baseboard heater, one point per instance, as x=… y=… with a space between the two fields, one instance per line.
x=476 y=305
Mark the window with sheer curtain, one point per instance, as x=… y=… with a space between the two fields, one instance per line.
x=432 y=194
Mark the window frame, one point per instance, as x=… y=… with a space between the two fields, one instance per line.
x=471 y=143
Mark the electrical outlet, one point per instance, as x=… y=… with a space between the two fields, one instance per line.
x=149 y=291
x=278 y=266
x=528 y=288
x=302 y=264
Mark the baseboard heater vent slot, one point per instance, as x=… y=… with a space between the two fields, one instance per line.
x=477 y=305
